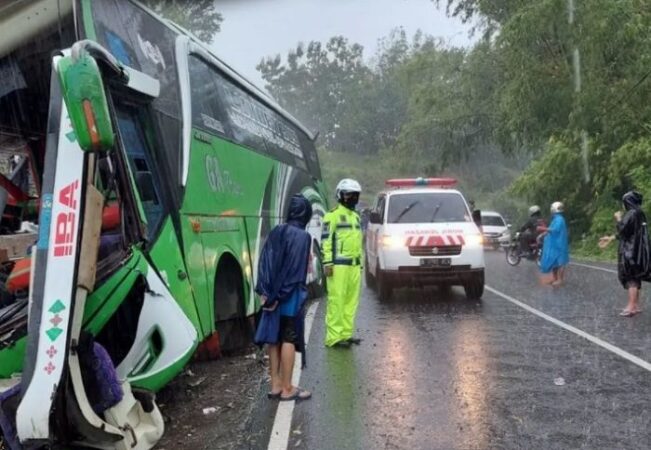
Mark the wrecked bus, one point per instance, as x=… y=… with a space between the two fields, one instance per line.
x=142 y=175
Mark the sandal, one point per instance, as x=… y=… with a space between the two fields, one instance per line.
x=274 y=395
x=342 y=344
x=298 y=395
x=629 y=313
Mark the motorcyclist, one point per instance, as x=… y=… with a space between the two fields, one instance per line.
x=530 y=230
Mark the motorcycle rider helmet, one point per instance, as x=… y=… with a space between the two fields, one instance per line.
x=348 y=186
x=557 y=207
x=533 y=210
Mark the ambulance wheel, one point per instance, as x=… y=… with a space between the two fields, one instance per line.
x=368 y=276
x=384 y=286
x=475 y=287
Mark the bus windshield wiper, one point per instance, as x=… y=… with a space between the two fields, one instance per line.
x=406 y=210
x=436 y=210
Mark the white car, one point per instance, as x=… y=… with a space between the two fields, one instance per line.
x=422 y=232
x=496 y=231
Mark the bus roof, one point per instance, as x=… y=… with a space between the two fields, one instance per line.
x=22 y=19
x=252 y=89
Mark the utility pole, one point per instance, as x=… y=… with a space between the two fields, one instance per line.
x=576 y=63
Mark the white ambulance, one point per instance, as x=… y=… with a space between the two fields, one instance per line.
x=422 y=232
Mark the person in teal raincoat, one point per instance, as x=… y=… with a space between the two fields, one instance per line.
x=556 y=249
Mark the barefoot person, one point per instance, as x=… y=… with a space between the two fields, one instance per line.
x=282 y=273
x=556 y=253
x=633 y=253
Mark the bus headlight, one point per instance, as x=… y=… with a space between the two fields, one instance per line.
x=474 y=240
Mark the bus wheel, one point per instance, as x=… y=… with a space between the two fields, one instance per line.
x=317 y=288
x=235 y=332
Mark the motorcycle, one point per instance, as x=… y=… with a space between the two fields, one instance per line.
x=514 y=255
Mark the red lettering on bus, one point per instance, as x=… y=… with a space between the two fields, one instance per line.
x=64 y=231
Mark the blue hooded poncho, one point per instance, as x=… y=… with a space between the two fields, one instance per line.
x=556 y=252
x=282 y=272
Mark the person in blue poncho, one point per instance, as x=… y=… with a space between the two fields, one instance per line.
x=556 y=253
x=282 y=273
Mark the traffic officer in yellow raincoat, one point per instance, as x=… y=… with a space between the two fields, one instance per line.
x=342 y=260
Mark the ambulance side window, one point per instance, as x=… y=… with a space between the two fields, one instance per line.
x=380 y=207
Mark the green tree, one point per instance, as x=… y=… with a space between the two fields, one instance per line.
x=451 y=105
x=538 y=99
x=320 y=84
x=200 y=17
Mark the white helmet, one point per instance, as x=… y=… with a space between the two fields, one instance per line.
x=535 y=209
x=557 y=207
x=347 y=185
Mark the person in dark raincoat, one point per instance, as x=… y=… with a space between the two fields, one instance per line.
x=556 y=248
x=634 y=251
x=282 y=274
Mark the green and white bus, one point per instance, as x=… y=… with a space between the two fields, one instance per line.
x=159 y=172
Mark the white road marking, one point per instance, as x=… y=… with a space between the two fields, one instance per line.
x=604 y=269
x=279 y=438
x=595 y=340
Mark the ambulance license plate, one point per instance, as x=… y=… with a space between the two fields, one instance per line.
x=436 y=262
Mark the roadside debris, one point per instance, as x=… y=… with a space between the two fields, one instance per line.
x=197 y=382
x=210 y=410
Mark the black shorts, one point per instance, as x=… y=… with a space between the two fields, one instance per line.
x=288 y=332
x=632 y=283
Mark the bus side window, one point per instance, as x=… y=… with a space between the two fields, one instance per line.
x=207 y=112
x=248 y=123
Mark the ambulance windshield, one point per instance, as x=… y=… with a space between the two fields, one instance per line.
x=427 y=207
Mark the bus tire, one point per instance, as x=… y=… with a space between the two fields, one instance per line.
x=234 y=328
x=317 y=288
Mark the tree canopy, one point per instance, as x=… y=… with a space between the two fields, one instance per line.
x=538 y=79
x=199 y=16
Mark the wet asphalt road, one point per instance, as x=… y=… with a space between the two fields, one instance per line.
x=436 y=371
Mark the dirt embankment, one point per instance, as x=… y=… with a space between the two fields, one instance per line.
x=210 y=405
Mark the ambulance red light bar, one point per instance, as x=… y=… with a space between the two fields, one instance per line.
x=420 y=181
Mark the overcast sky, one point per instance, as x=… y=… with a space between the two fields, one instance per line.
x=253 y=29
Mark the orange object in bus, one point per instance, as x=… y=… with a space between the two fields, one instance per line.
x=111 y=217
x=19 y=276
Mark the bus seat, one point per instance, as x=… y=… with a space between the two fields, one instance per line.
x=111 y=216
